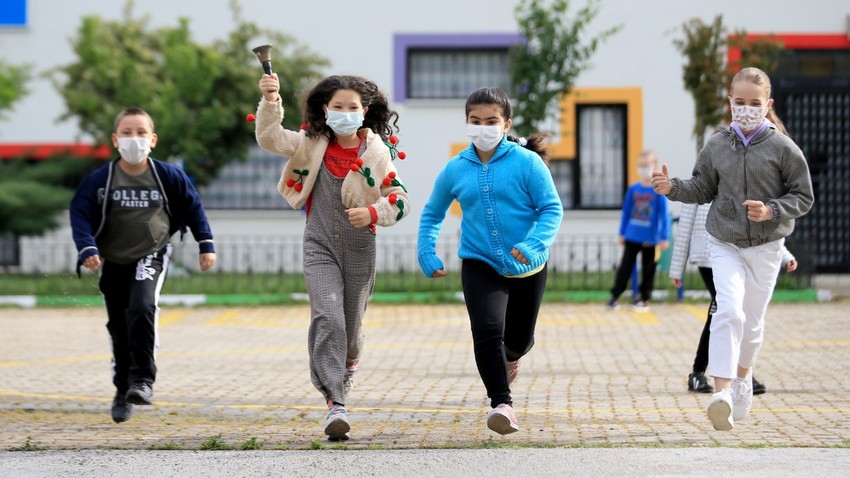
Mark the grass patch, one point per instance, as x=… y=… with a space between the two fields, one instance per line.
x=215 y=443
x=29 y=445
x=169 y=445
x=317 y=445
x=251 y=444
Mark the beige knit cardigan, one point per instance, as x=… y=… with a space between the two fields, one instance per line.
x=307 y=154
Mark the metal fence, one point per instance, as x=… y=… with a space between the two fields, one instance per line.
x=258 y=264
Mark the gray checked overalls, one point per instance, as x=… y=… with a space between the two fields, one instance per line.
x=339 y=268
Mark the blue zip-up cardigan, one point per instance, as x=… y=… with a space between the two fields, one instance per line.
x=89 y=211
x=509 y=202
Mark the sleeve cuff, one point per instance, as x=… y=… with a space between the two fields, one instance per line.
x=374 y=214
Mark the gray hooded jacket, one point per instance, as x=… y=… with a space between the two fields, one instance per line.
x=771 y=169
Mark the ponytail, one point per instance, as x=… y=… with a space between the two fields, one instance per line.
x=774 y=118
x=536 y=142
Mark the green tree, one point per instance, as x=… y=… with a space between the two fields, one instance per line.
x=33 y=194
x=706 y=74
x=556 y=50
x=198 y=95
x=13 y=81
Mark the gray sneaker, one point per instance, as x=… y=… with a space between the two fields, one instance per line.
x=337 y=424
x=140 y=393
x=121 y=410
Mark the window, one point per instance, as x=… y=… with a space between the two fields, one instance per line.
x=596 y=178
x=455 y=73
x=447 y=66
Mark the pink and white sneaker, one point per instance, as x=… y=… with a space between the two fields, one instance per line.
x=502 y=419
x=348 y=378
x=513 y=371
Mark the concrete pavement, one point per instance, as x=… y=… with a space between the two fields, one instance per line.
x=594 y=379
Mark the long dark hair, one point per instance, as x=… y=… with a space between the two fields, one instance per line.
x=493 y=95
x=380 y=118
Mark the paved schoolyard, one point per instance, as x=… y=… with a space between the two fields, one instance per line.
x=595 y=378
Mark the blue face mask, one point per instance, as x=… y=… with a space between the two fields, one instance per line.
x=344 y=123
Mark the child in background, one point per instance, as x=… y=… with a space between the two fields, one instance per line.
x=758 y=182
x=122 y=217
x=511 y=215
x=341 y=168
x=691 y=245
x=644 y=225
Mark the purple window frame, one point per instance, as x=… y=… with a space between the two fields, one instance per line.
x=403 y=43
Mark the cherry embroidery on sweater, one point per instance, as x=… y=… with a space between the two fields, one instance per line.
x=391 y=180
x=394 y=152
x=297 y=184
x=357 y=167
x=393 y=199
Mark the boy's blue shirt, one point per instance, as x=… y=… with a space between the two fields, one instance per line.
x=510 y=202
x=645 y=216
x=182 y=204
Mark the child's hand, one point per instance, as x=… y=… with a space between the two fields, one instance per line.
x=663 y=245
x=269 y=87
x=676 y=283
x=359 y=216
x=206 y=260
x=621 y=240
x=661 y=181
x=439 y=273
x=791 y=266
x=92 y=262
x=757 y=211
x=518 y=256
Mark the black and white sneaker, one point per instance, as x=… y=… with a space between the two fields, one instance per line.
x=758 y=387
x=640 y=305
x=698 y=383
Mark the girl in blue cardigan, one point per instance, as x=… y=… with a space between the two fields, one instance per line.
x=511 y=215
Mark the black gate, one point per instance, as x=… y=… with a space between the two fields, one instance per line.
x=816 y=112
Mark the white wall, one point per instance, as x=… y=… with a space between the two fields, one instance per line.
x=357 y=38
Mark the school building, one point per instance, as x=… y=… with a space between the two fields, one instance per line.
x=428 y=56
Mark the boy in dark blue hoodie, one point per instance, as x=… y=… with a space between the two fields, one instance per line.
x=645 y=225
x=122 y=217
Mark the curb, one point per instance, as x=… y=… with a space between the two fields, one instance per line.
x=192 y=300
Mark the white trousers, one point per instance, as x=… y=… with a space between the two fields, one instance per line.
x=744 y=279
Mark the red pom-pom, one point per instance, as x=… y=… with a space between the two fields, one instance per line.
x=387 y=181
x=290 y=183
x=391 y=175
x=250 y=118
x=304 y=126
x=299 y=187
x=402 y=155
x=393 y=198
x=354 y=167
x=393 y=139
x=358 y=162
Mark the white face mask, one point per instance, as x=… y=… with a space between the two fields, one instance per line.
x=644 y=172
x=344 y=123
x=485 y=138
x=748 y=117
x=134 y=150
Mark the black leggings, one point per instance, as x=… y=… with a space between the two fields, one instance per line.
x=701 y=359
x=502 y=315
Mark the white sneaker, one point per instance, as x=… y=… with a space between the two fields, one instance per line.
x=337 y=424
x=720 y=411
x=502 y=419
x=742 y=397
